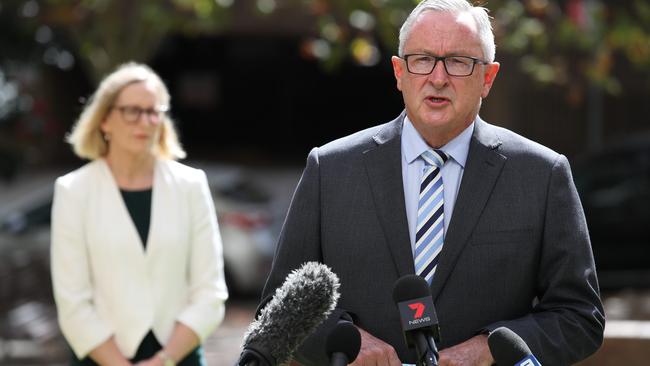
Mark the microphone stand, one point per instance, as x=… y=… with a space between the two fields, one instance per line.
x=338 y=359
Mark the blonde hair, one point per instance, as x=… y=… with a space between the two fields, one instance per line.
x=86 y=137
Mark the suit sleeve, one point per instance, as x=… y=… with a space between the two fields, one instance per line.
x=567 y=323
x=71 y=276
x=205 y=308
x=300 y=242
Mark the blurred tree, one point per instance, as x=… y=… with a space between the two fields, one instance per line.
x=574 y=43
x=584 y=46
x=105 y=33
x=41 y=40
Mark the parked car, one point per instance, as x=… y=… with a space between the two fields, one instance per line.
x=24 y=240
x=28 y=326
x=614 y=186
x=251 y=205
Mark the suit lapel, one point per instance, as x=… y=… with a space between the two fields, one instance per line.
x=384 y=168
x=118 y=212
x=160 y=195
x=484 y=164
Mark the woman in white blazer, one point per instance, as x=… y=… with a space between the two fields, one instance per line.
x=137 y=262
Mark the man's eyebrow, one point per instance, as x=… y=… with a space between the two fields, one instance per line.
x=426 y=52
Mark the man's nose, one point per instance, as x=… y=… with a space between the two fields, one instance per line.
x=439 y=77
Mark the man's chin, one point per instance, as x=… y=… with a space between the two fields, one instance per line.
x=434 y=122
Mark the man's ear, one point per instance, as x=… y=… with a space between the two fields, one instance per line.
x=490 y=74
x=398 y=70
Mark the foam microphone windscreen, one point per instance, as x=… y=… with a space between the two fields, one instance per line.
x=507 y=347
x=344 y=338
x=305 y=299
x=410 y=287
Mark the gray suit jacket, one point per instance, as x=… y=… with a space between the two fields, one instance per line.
x=516 y=254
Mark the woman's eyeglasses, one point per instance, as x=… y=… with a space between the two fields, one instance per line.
x=131 y=113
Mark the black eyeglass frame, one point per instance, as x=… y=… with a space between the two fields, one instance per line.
x=161 y=111
x=442 y=58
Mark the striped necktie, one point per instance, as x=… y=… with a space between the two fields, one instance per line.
x=430 y=224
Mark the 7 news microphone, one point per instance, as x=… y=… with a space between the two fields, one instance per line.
x=509 y=349
x=419 y=320
x=343 y=344
x=305 y=299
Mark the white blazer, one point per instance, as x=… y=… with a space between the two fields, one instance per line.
x=106 y=284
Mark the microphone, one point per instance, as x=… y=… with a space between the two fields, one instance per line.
x=343 y=344
x=419 y=320
x=305 y=299
x=508 y=349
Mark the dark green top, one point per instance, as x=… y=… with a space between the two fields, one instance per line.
x=139 y=205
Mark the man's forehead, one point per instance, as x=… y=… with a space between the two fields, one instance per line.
x=457 y=31
x=463 y=18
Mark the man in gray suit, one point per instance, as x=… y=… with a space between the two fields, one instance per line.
x=492 y=220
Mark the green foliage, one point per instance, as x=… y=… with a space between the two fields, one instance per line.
x=569 y=42
x=576 y=43
x=109 y=32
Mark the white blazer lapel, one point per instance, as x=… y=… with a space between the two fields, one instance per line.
x=169 y=230
x=121 y=224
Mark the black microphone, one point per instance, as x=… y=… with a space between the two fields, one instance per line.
x=305 y=299
x=343 y=344
x=509 y=349
x=419 y=320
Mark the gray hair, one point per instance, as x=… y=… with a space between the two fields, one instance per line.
x=478 y=13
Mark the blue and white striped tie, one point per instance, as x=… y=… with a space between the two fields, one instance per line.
x=430 y=226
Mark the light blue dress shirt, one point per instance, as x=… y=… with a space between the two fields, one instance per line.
x=413 y=145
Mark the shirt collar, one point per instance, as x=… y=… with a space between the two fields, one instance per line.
x=413 y=145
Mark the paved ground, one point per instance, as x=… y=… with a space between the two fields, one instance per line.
x=224 y=346
x=49 y=349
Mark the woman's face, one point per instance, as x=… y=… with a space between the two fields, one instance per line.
x=132 y=125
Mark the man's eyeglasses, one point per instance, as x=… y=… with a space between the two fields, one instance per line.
x=423 y=64
x=131 y=113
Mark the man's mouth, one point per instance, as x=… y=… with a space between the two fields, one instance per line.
x=437 y=99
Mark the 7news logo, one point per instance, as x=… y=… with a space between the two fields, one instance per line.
x=419 y=311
